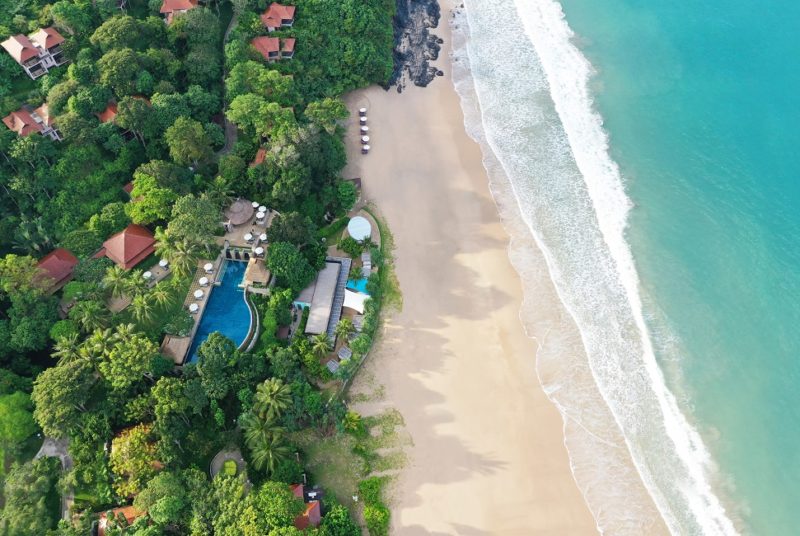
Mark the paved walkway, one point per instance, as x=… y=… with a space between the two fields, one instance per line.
x=58 y=448
x=227 y=454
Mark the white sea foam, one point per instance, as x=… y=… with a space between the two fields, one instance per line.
x=535 y=120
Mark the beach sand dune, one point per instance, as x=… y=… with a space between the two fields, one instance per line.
x=488 y=453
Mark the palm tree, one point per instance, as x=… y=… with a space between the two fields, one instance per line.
x=66 y=348
x=161 y=295
x=320 y=345
x=352 y=421
x=123 y=332
x=100 y=341
x=142 y=309
x=136 y=284
x=181 y=254
x=265 y=441
x=116 y=280
x=90 y=315
x=344 y=328
x=272 y=398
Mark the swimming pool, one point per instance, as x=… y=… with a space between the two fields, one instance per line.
x=359 y=285
x=226 y=311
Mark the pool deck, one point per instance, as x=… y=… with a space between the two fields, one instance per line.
x=176 y=347
x=235 y=237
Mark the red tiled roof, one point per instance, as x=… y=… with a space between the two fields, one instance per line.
x=20 y=47
x=261 y=154
x=266 y=45
x=128 y=188
x=274 y=16
x=57 y=266
x=47 y=37
x=109 y=114
x=168 y=6
x=311 y=517
x=130 y=246
x=22 y=122
x=44 y=113
x=297 y=489
x=287 y=45
x=130 y=513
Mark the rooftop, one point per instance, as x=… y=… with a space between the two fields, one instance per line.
x=239 y=212
x=130 y=246
x=58 y=266
x=109 y=114
x=47 y=37
x=276 y=13
x=20 y=47
x=170 y=6
x=22 y=122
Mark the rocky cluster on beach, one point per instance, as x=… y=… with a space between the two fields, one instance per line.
x=415 y=45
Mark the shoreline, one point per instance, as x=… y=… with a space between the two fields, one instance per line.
x=457 y=350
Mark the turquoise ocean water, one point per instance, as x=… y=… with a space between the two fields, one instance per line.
x=655 y=155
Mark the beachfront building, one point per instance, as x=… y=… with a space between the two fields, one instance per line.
x=37 y=53
x=278 y=16
x=56 y=269
x=172 y=8
x=27 y=120
x=128 y=247
x=325 y=297
x=273 y=48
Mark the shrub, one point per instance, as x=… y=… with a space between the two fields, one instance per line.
x=350 y=246
x=347 y=195
x=377 y=518
x=63 y=328
x=230 y=468
x=82 y=242
x=371 y=489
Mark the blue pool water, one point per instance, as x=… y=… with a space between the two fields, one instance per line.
x=359 y=285
x=226 y=311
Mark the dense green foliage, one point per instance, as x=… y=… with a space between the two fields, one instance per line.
x=141 y=430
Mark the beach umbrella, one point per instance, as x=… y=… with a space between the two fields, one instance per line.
x=262 y=208
x=148 y=274
x=365 y=129
x=163 y=263
x=255 y=204
x=193 y=307
x=362 y=111
x=198 y=294
x=203 y=281
x=259 y=250
x=262 y=237
x=208 y=267
x=364 y=139
x=248 y=237
x=364 y=149
x=363 y=120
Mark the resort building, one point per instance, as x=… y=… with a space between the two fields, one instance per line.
x=128 y=247
x=273 y=48
x=56 y=268
x=109 y=114
x=130 y=513
x=325 y=297
x=278 y=16
x=171 y=8
x=261 y=155
x=312 y=515
x=36 y=53
x=26 y=121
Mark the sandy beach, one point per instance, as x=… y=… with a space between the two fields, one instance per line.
x=488 y=454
